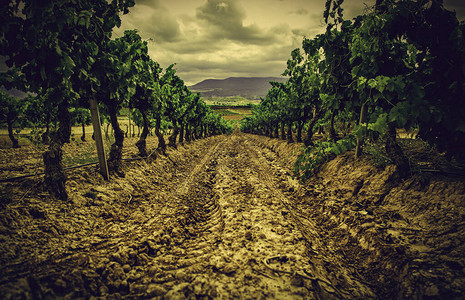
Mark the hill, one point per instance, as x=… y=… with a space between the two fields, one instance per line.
x=247 y=87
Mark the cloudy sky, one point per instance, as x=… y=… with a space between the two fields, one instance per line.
x=231 y=38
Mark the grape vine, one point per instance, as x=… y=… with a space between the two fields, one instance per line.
x=397 y=66
x=62 y=53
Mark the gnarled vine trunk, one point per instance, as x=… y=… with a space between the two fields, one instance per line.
x=46 y=134
x=395 y=152
x=270 y=130
x=300 y=125
x=358 y=148
x=283 y=135
x=83 y=137
x=181 y=133
x=13 y=139
x=127 y=130
x=142 y=142
x=116 y=149
x=161 y=139
x=310 y=132
x=188 y=133
x=55 y=177
x=174 y=135
x=332 y=133
x=289 y=133
x=203 y=134
x=193 y=132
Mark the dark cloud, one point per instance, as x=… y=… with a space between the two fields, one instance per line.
x=151 y=3
x=353 y=9
x=153 y=21
x=456 y=5
x=268 y=61
x=222 y=13
x=199 y=45
x=300 y=11
x=163 y=27
x=224 y=20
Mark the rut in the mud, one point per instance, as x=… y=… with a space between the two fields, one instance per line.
x=240 y=238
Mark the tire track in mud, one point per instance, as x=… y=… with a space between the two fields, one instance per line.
x=182 y=184
x=183 y=188
x=264 y=249
x=193 y=229
x=227 y=229
x=236 y=240
x=338 y=282
x=263 y=161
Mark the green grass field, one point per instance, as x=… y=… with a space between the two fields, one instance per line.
x=233 y=113
x=229 y=101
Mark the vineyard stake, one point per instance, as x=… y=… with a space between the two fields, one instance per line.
x=358 y=148
x=98 y=139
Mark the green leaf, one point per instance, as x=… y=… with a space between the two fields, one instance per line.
x=42 y=73
x=93 y=48
x=68 y=62
x=372 y=83
x=355 y=69
x=84 y=72
x=381 y=82
x=131 y=90
x=361 y=81
x=380 y=124
x=400 y=113
x=90 y=60
x=376 y=97
x=58 y=50
x=82 y=21
x=68 y=66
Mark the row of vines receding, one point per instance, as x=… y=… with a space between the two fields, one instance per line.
x=400 y=65
x=63 y=55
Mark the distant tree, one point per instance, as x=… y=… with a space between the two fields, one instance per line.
x=145 y=76
x=38 y=115
x=81 y=116
x=177 y=103
x=10 y=109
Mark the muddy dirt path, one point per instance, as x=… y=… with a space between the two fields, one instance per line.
x=242 y=245
x=243 y=238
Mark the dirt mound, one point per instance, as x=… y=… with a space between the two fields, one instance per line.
x=223 y=218
x=404 y=238
x=397 y=238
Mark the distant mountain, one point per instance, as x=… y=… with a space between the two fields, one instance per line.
x=247 y=87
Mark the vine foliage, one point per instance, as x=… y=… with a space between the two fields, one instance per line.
x=399 y=65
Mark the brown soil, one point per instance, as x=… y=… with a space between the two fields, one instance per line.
x=222 y=218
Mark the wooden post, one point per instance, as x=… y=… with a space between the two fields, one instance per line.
x=98 y=139
x=129 y=118
x=358 y=148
